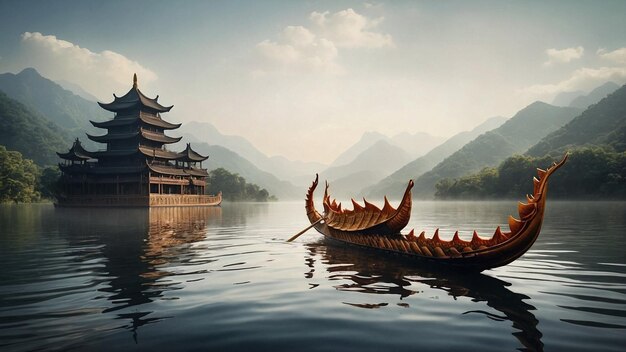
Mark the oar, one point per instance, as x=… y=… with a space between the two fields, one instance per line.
x=305 y=230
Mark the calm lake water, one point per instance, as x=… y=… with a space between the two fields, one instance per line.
x=224 y=279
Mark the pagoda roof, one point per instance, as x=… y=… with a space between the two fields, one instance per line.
x=125 y=121
x=76 y=152
x=186 y=155
x=111 y=137
x=158 y=137
x=171 y=170
x=191 y=155
x=129 y=120
x=149 y=135
x=134 y=98
x=158 y=153
x=155 y=121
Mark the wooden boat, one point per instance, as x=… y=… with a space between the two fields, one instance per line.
x=369 y=226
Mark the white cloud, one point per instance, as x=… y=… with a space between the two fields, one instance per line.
x=370 y=5
x=298 y=36
x=300 y=49
x=349 y=29
x=582 y=79
x=100 y=73
x=301 y=52
x=556 y=56
x=617 y=56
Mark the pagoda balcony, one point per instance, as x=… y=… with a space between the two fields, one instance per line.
x=93 y=168
x=176 y=181
x=169 y=180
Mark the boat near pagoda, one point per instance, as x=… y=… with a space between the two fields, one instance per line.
x=135 y=169
x=372 y=227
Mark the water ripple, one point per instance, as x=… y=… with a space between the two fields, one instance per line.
x=223 y=278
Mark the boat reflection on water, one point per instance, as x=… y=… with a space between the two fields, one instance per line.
x=146 y=253
x=368 y=272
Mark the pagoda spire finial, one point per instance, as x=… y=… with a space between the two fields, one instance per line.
x=135 y=80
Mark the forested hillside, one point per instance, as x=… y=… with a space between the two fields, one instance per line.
x=515 y=136
x=29 y=133
x=596 y=168
x=54 y=103
x=590 y=173
x=602 y=124
x=393 y=185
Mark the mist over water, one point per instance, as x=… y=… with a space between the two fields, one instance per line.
x=217 y=278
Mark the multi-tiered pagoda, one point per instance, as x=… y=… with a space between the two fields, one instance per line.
x=135 y=168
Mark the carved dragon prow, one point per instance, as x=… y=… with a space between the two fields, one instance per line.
x=362 y=219
x=476 y=254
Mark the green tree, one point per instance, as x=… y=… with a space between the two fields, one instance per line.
x=591 y=172
x=48 y=185
x=18 y=177
x=235 y=187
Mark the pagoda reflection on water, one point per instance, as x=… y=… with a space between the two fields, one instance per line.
x=136 y=168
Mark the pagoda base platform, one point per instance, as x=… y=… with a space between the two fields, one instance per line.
x=146 y=201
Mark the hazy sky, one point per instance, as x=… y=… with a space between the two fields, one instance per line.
x=305 y=79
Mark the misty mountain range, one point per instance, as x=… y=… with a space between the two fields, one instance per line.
x=596 y=169
x=374 y=166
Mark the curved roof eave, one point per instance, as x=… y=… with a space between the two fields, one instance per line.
x=159 y=137
x=113 y=122
x=158 y=153
x=133 y=98
x=191 y=155
x=159 y=123
x=108 y=137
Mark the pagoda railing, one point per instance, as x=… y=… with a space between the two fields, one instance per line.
x=141 y=201
x=184 y=199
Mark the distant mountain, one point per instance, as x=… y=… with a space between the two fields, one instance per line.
x=601 y=124
x=367 y=140
x=394 y=184
x=566 y=98
x=584 y=101
x=76 y=89
x=56 y=104
x=377 y=160
x=350 y=185
x=220 y=157
x=294 y=171
x=596 y=167
x=299 y=173
x=516 y=135
x=29 y=133
x=72 y=113
x=414 y=145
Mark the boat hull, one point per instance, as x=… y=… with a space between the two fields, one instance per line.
x=476 y=255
